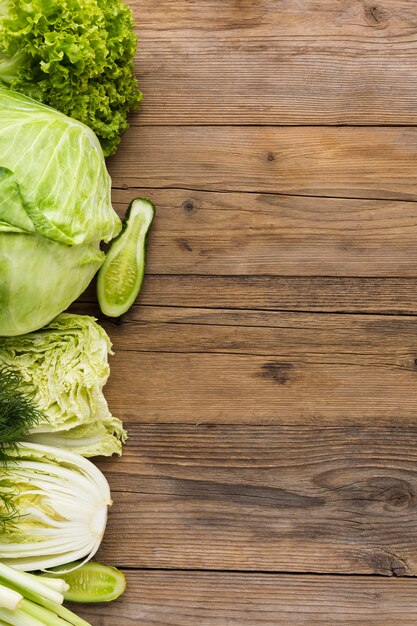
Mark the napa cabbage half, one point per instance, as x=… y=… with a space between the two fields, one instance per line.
x=60 y=501
x=63 y=368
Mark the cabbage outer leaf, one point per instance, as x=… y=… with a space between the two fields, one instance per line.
x=53 y=178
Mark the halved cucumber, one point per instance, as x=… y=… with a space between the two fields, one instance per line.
x=121 y=275
x=92 y=582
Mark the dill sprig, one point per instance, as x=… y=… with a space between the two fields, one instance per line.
x=18 y=415
x=8 y=509
x=18 y=412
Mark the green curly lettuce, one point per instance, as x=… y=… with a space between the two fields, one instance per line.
x=74 y=55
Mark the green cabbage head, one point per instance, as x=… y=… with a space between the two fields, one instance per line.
x=55 y=209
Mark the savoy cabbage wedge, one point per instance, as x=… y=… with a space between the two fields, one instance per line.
x=55 y=209
x=63 y=368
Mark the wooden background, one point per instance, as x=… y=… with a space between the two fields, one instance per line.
x=268 y=373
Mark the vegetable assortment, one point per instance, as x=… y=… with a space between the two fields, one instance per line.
x=66 y=87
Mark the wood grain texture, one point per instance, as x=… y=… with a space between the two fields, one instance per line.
x=216 y=599
x=265 y=498
x=268 y=373
x=202 y=366
x=393 y=296
x=268 y=62
x=229 y=388
x=350 y=162
x=207 y=233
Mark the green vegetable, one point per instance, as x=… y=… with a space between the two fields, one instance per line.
x=63 y=369
x=18 y=414
x=10 y=599
x=55 y=208
x=74 y=55
x=33 y=584
x=8 y=511
x=121 y=276
x=61 y=500
x=92 y=582
x=58 y=584
x=27 y=600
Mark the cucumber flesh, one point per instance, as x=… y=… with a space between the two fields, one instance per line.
x=121 y=275
x=92 y=582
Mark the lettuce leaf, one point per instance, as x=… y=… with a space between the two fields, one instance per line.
x=76 y=56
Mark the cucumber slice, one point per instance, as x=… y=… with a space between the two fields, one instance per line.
x=92 y=582
x=121 y=275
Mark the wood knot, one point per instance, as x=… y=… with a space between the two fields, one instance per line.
x=270 y=157
x=387 y=563
x=375 y=15
x=277 y=371
x=188 y=206
x=399 y=497
x=184 y=244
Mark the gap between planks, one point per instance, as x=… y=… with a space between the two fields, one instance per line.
x=249 y=192
x=79 y=307
x=271 y=573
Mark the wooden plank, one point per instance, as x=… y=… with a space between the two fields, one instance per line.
x=337 y=338
x=268 y=62
x=304 y=499
x=226 y=366
x=396 y=296
x=322 y=294
x=208 y=233
x=217 y=599
x=353 y=162
x=206 y=388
